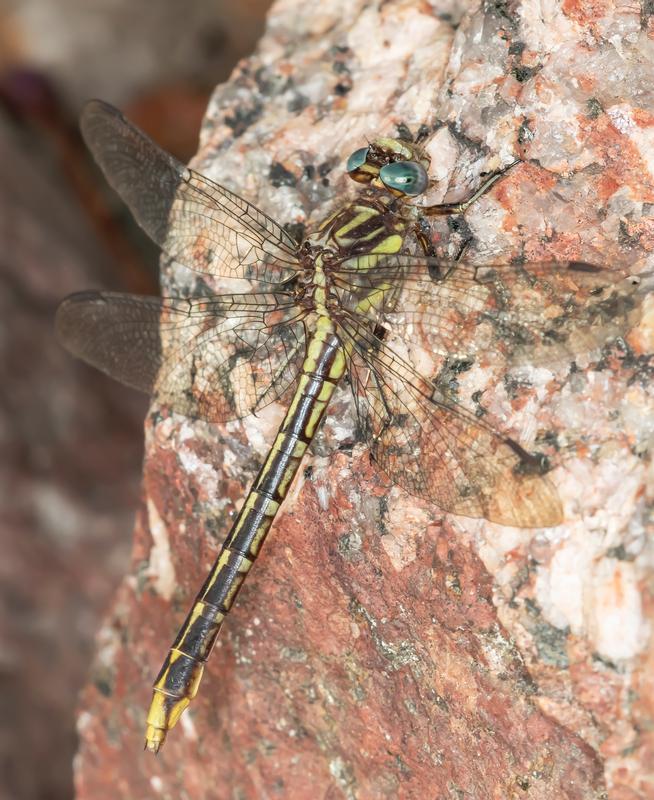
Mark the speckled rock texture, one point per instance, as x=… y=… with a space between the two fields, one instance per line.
x=381 y=649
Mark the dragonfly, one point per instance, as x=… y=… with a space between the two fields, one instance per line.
x=346 y=304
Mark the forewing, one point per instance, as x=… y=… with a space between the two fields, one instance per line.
x=194 y=220
x=216 y=358
x=537 y=313
x=436 y=450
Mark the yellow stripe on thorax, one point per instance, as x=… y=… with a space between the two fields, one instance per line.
x=364 y=213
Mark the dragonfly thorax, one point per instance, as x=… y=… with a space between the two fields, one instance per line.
x=371 y=225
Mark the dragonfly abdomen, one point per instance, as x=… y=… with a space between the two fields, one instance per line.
x=179 y=678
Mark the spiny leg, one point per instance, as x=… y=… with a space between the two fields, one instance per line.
x=421 y=228
x=443 y=209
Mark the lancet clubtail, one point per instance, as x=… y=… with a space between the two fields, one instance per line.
x=345 y=302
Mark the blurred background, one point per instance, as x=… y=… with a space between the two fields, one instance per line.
x=71 y=440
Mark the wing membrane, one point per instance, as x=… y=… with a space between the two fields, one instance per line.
x=537 y=313
x=194 y=220
x=218 y=370
x=435 y=449
x=214 y=358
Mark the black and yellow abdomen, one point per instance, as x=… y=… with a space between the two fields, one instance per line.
x=179 y=678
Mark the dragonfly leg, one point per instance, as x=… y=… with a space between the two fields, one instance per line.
x=421 y=228
x=443 y=209
x=421 y=231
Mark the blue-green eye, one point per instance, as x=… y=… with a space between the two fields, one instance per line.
x=357 y=159
x=407 y=177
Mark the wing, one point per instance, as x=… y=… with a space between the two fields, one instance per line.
x=536 y=313
x=215 y=358
x=195 y=221
x=436 y=450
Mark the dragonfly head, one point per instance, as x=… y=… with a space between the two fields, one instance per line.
x=398 y=167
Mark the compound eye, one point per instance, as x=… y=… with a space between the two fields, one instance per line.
x=357 y=159
x=407 y=177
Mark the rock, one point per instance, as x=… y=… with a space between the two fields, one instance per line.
x=381 y=648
